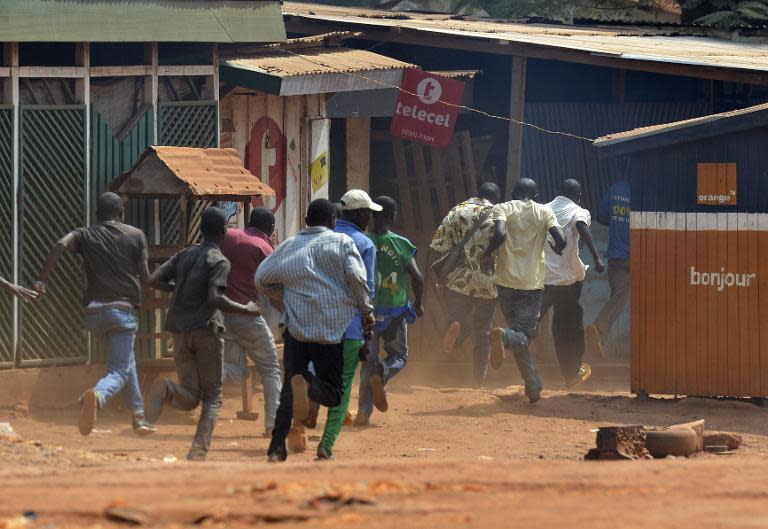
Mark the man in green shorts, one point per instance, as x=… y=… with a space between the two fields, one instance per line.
x=394 y=261
x=356 y=208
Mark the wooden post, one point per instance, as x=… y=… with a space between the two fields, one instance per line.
x=423 y=188
x=517 y=113
x=468 y=158
x=438 y=177
x=216 y=93
x=404 y=187
x=184 y=220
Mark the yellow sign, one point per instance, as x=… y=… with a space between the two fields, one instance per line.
x=318 y=172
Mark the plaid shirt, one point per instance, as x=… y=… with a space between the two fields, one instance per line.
x=468 y=278
x=322 y=280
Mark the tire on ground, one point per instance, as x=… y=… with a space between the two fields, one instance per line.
x=663 y=443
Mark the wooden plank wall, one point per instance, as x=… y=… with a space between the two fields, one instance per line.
x=428 y=183
x=692 y=338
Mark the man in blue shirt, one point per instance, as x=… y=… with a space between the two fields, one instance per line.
x=357 y=208
x=614 y=213
x=355 y=215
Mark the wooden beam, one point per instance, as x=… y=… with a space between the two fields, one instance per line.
x=86 y=83
x=121 y=71
x=409 y=36
x=180 y=71
x=5 y=71
x=76 y=72
x=516 y=113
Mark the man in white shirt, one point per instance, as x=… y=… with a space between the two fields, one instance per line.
x=563 y=282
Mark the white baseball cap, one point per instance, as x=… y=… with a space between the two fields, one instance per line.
x=358 y=199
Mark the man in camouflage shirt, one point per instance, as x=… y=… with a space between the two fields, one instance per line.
x=470 y=294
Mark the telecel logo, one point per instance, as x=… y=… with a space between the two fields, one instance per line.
x=721 y=279
x=429 y=91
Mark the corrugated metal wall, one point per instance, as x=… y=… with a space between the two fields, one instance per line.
x=111 y=154
x=53 y=202
x=550 y=159
x=6 y=233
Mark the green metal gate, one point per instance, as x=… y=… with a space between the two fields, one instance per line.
x=185 y=124
x=53 y=202
x=7 y=354
x=111 y=154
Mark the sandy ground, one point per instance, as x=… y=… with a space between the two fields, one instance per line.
x=438 y=458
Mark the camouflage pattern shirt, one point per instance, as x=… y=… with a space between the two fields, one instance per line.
x=467 y=279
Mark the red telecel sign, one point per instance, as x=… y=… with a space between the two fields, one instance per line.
x=422 y=114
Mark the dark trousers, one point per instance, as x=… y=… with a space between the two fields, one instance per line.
x=567 y=326
x=199 y=365
x=476 y=317
x=326 y=386
x=521 y=310
x=618 y=278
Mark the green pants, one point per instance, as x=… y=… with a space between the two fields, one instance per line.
x=336 y=415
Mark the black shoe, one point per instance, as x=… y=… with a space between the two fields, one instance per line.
x=141 y=427
x=378 y=390
x=197 y=454
x=89 y=405
x=323 y=454
x=276 y=457
x=156 y=397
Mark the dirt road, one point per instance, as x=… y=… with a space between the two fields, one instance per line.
x=438 y=458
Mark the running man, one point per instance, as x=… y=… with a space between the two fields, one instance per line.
x=115 y=259
x=563 y=282
x=614 y=213
x=318 y=280
x=469 y=295
x=394 y=263
x=198 y=277
x=357 y=208
x=520 y=233
x=249 y=334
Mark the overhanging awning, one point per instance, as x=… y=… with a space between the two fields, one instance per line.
x=290 y=72
x=221 y=21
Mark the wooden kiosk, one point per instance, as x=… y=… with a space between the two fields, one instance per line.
x=699 y=254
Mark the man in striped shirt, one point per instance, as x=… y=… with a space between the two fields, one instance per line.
x=319 y=281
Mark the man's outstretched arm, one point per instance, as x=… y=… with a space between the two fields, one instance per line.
x=68 y=243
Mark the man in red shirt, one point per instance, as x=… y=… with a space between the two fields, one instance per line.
x=247 y=333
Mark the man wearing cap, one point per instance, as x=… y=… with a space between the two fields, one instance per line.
x=357 y=208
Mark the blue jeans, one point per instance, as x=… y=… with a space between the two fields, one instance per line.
x=521 y=310
x=117 y=327
x=396 y=348
x=250 y=335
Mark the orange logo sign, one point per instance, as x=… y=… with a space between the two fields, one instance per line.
x=716 y=184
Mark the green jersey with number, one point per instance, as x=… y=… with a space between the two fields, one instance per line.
x=393 y=253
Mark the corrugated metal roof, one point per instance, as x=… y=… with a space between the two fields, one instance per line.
x=626 y=43
x=680 y=131
x=457 y=74
x=141 y=21
x=204 y=172
x=676 y=125
x=283 y=63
